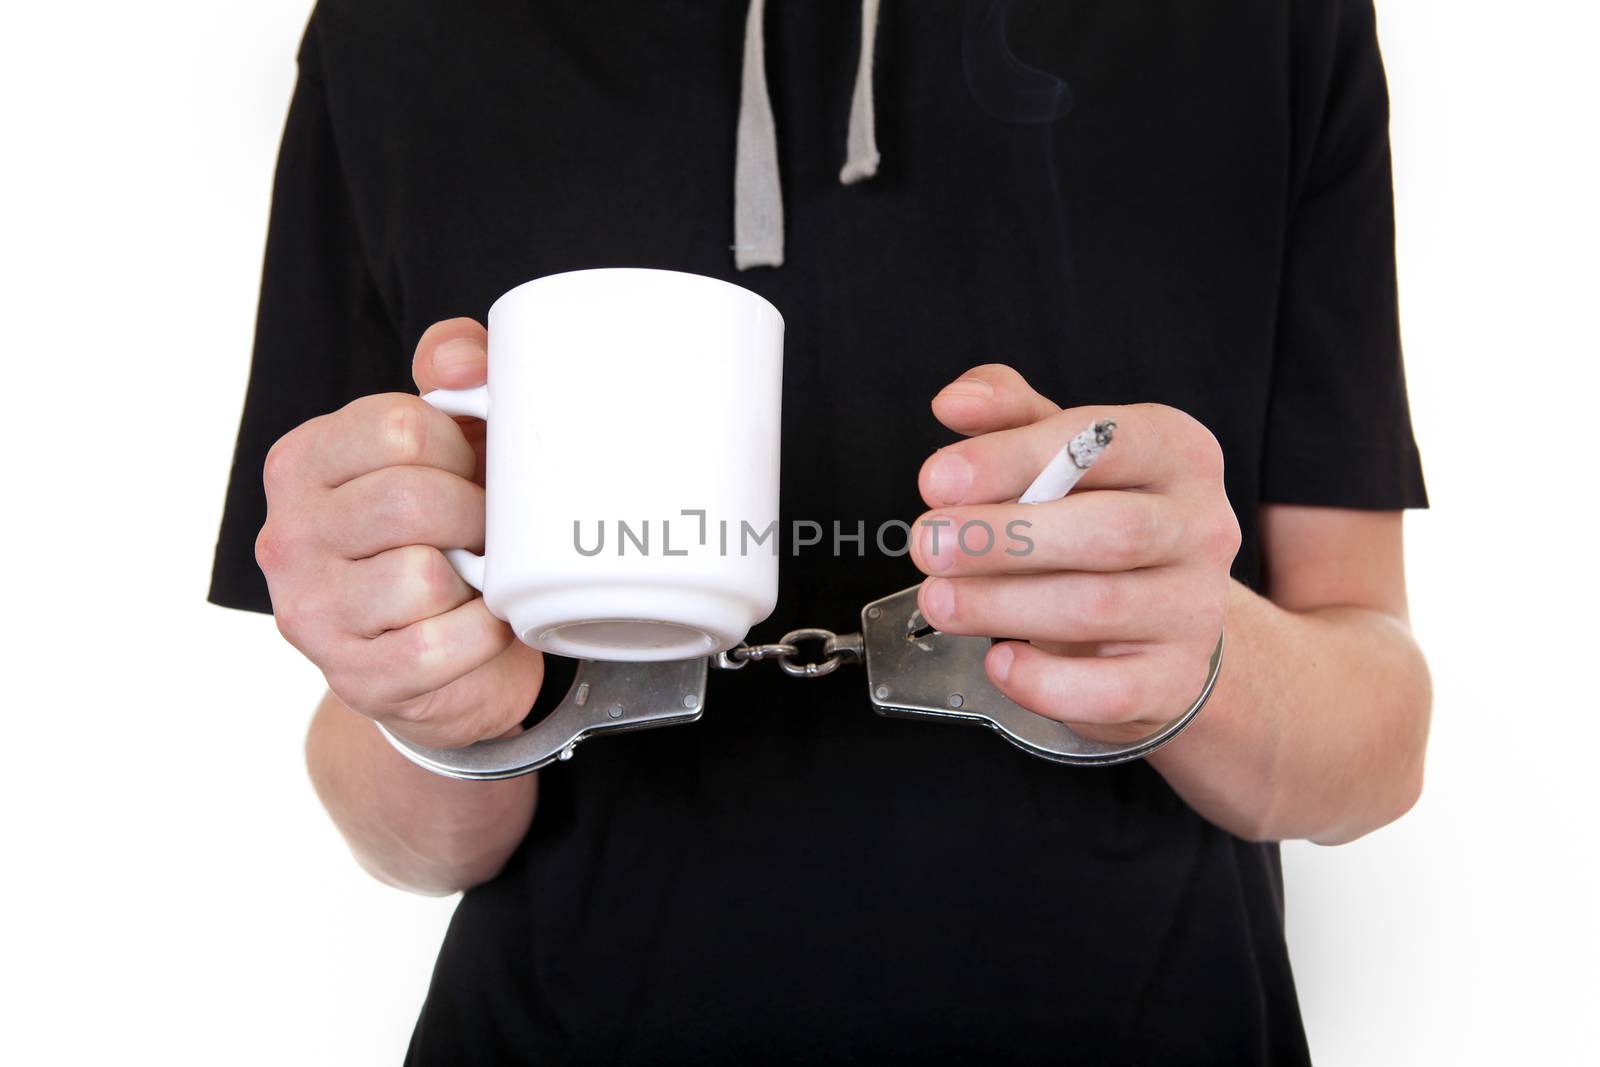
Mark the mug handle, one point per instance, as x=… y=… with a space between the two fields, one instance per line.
x=473 y=403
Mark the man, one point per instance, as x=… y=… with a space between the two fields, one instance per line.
x=1176 y=215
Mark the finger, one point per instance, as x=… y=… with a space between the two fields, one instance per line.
x=1067 y=607
x=988 y=398
x=398 y=506
x=399 y=666
x=373 y=432
x=1000 y=465
x=453 y=354
x=488 y=702
x=1137 y=686
x=396 y=588
x=1102 y=530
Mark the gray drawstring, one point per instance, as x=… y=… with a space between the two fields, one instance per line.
x=757 y=198
x=757 y=194
x=861 y=144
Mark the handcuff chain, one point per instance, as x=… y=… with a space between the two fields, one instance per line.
x=837 y=649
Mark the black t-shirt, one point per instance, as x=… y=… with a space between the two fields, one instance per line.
x=1173 y=202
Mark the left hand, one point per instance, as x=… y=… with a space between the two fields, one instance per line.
x=1116 y=606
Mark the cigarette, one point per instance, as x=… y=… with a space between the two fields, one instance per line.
x=1069 y=464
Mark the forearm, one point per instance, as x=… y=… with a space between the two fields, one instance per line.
x=1316 y=729
x=406 y=826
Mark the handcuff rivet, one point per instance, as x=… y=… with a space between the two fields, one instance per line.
x=615 y=711
x=882 y=692
x=956 y=700
x=873 y=613
x=691 y=701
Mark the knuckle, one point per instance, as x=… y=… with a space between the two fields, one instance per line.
x=1201 y=449
x=425 y=576
x=1173 y=421
x=398 y=652
x=400 y=500
x=1103 y=601
x=282 y=465
x=403 y=428
x=310 y=622
x=294 y=620
x=1153 y=420
x=1229 y=536
x=1134 y=533
x=417 y=647
x=417 y=714
x=1220 y=537
x=279 y=545
x=270 y=554
x=1187 y=437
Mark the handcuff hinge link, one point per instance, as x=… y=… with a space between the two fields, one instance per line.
x=837 y=650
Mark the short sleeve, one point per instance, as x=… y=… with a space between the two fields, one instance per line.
x=1338 y=422
x=323 y=333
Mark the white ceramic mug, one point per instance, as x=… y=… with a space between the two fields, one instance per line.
x=633 y=425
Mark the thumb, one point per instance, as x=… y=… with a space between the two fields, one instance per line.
x=453 y=354
x=989 y=398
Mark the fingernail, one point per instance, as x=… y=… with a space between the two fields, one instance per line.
x=939 y=601
x=1000 y=662
x=456 y=352
x=938 y=537
x=973 y=387
x=949 y=478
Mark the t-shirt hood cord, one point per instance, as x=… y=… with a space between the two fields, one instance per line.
x=757 y=193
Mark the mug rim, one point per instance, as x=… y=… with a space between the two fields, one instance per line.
x=531 y=282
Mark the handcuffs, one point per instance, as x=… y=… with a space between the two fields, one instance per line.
x=913 y=672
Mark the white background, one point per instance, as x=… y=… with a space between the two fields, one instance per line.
x=171 y=889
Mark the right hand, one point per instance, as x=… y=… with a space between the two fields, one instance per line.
x=359 y=505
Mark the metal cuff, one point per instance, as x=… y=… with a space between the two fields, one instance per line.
x=919 y=673
x=605 y=698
